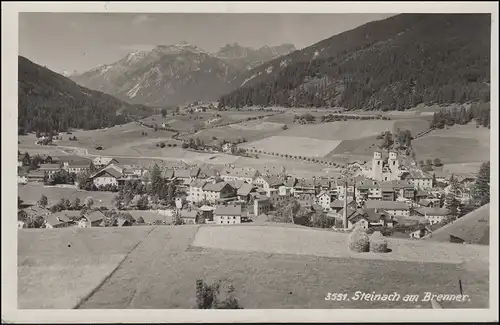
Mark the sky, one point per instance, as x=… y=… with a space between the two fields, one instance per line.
x=83 y=41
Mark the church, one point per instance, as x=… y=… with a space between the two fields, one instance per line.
x=386 y=169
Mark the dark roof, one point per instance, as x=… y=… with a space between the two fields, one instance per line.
x=373 y=216
x=95 y=215
x=217 y=187
x=340 y=204
x=230 y=210
x=245 y=189
x=182 y=173
x=61 y=217
x=432 y=211
x=36 y=211
x=110 y=170
x=424 y=202
x=272 y=180
x=367 y=184
x=386 y=205
x=198 y=183
x=49 y=166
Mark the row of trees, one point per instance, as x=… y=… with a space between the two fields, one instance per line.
x=480 y=112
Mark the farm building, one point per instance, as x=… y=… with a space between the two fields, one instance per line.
x=243 y=192
x=50 y=169
x=60 y=219
x=110 y=175
x=261 y=205
x=433 y=215
x=189 y=217
x=77 y=167
x=214 y=192
x=391 y=207
x=419 y=179
x=228 y=214
x=101 y=162
x=267 y=182
x=91 y=219
x=246 y=174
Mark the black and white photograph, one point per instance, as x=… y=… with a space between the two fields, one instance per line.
x=252 y=160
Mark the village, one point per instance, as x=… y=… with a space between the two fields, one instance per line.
x=389 y=193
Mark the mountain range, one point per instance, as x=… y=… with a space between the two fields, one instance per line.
x=391 y=64
x=177 y=74
x=49 y=101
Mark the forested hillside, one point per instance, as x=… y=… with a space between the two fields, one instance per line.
x=48 y=101
x=392 y=64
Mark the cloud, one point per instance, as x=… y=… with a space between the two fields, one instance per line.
x=141 y=19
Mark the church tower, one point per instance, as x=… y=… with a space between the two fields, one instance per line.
x=377 y=165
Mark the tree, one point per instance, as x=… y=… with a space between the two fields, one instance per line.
x=437 y=162
x=76 y=204
x=451 y=201
x=387 y=141
x=481 y=189
x=434 y=180
x=89 y=202
x=19 y=202
x=43 y=202
x=142 y=203
x=286 y=211
x=156 y=179
x=207 y=296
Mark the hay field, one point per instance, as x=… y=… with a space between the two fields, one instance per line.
x=280 y=240
x=457 y=144
x=115 y=139
x=295 y=146
x=341 y=130
x=59 y=267
x=31 y=193
x=161 y=273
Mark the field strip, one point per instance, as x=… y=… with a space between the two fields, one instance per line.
x=87 y=297
x=283 y=240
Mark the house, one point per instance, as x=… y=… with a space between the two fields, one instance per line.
x=36 y=176
x=379 y=218
x=189 y=217
x=442 y=176
x=426 y=203
x=34 y=212
x=368 y=190
x=50 y=169
x=91 y=219
x=419 y=179
x=184 y=175
x=433 y=215
x=214 y=192
x=134 y=170
x=306 y=198
x=424 y=230
x=246 y=174
x=243 y=192
x=107 y=176
x=473 y=228
x=61 y=219
x=230 y=214
x=403 y=188
x=195 y=193
x=337 y=205
x=392 y=207
x=77 y=167
x=207 y=213
x=268 y=181
x=357 y=219
x=324 y=200
x=341 y=193
x=261 y=205
x=101 y=162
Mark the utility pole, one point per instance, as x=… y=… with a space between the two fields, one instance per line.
x=346 y=175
